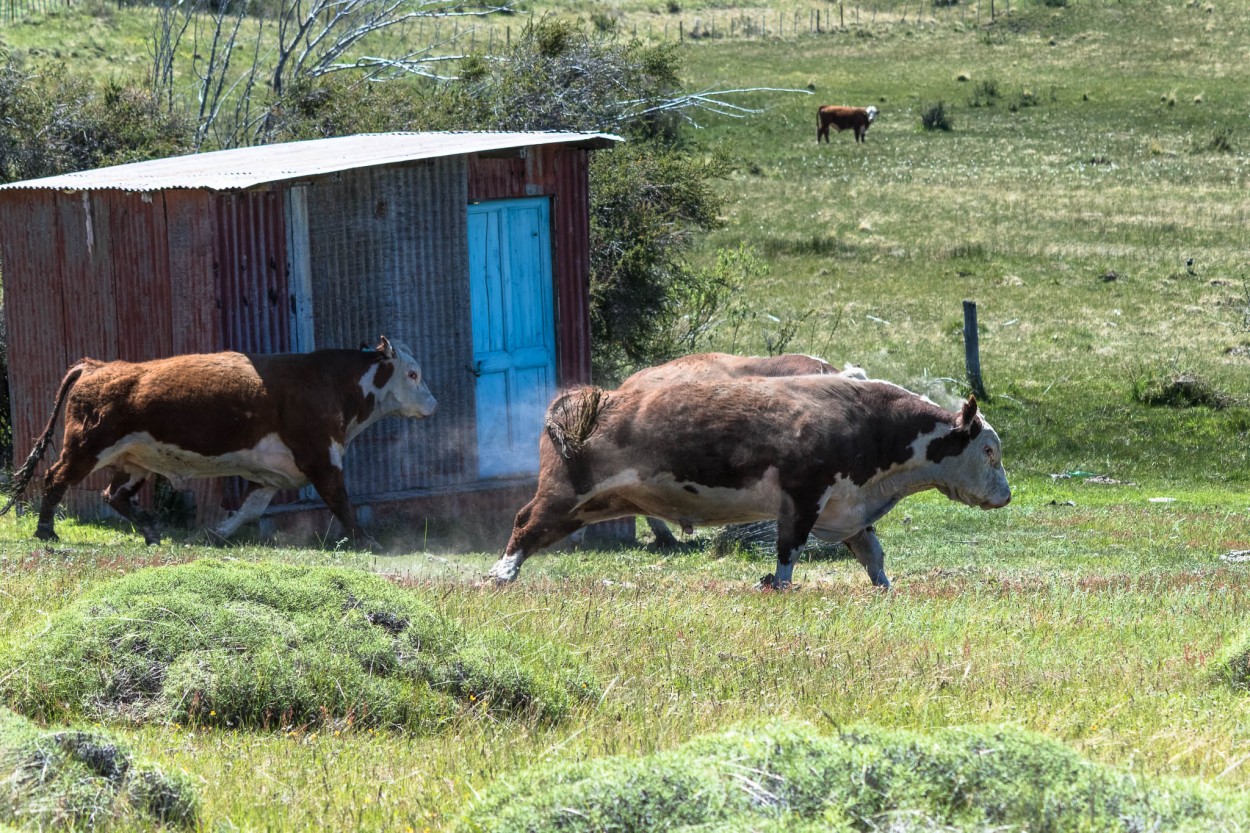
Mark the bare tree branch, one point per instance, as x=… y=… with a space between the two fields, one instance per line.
x=235 y=54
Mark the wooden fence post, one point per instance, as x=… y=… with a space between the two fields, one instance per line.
x=972 y=349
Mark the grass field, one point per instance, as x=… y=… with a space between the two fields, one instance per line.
x=1116 y=140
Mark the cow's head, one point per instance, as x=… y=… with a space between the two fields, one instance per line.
x=397 y=382
x=872 y=114
x=974 y=475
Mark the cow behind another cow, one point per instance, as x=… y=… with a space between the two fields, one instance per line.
x=821 y=454
x=844 y=118
x=715 y=367
x=279 y=421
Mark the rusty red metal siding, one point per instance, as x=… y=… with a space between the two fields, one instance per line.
x=136 y=245
x=30 y=259
x=571 y=214
x=564 y=175
x=116 y=273
x=88 y=274
x=191 y=229
x=250 y=266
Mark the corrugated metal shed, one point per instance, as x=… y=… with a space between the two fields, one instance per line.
x=327 y=243
x=241 y=168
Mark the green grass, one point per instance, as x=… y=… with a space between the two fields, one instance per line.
x=791 y=777
x=272 y=646
x=84 y=780
x=1024 y=212
x=1091 y=614
x=1102 y=625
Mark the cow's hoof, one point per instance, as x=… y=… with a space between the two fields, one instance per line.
x=500 y=577
x=769 y=582
x=362 y=542
x=213 y=538
x=45 y=533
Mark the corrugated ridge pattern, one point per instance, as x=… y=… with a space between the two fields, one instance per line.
x=251 y=271
x=389 y=257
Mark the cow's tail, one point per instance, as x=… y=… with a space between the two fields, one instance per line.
x=570 y=422
x=573 y=417
x=22 y=477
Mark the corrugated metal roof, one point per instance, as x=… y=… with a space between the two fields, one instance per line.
x=227 y=170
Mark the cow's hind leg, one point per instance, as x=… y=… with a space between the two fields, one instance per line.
x=253 y=507
x=664 y=538
x=868 y=552
x=540 y=523
x=73 y=465
x=120 y=494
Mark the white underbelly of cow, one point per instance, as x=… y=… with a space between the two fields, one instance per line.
x=684 y=503
x=269 y=462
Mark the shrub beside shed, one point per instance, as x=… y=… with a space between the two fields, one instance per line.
x=473 y=248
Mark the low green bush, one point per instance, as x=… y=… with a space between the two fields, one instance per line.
x=70 y=779
x=787 y=776
x=270 y=645
x=936 y=117
x=1236 y=665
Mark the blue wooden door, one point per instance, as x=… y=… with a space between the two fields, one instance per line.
x=514 y=344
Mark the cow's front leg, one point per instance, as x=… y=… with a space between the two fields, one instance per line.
x=867 y=550
x=327 y=479
x=120 y=494
x=253 y=507
x=794 y=524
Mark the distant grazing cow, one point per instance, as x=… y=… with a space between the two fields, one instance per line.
x=822 y=454
x=715 y=367
x=844 y=118
x=279 y=421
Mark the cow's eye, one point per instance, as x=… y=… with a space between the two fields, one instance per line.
x=989 y=452
x=414 y=375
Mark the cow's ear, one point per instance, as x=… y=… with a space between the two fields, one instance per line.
x=969 y=413
x=384 y=347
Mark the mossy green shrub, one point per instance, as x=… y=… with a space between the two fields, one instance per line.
x=1236 y=665
x=787 y=776
x=71 y=779
x=270 y=645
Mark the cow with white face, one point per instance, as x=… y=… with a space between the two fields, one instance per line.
x=827 y=455
x=279 y=421
x=716 y=367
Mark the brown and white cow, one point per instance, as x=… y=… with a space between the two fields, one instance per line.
x=279 y=421
x=822 y=454
x=716 y=367
x=844 y=118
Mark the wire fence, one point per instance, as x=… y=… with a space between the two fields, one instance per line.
x=11 y=10
x=796 y=21
x=743 y=23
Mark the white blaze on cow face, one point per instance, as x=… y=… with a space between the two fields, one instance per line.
x=405 y=392
x=872 y=114
x=976 y=476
